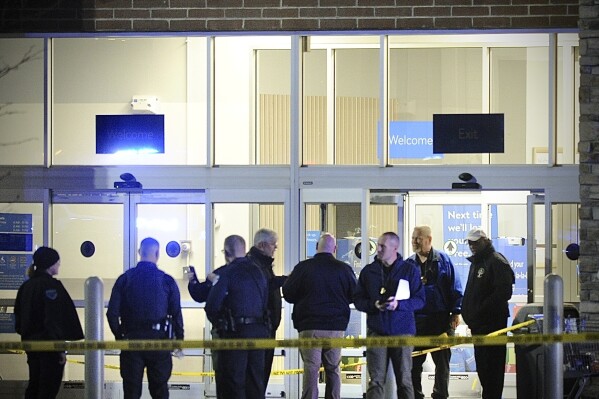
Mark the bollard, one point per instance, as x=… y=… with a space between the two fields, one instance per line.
x=553 y=309
x=94 y=331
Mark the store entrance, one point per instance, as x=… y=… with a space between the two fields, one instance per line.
x=519 y=223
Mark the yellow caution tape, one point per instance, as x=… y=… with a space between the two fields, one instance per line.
x=249 y=344
x=253 y=344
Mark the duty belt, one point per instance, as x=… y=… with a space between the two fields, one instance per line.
x=249 y=320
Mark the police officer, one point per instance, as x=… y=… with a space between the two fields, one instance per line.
x=237 y=306
x=44 y=310
x=143 y=304
x=234 y=247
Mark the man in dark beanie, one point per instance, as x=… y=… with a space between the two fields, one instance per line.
x=44 y=311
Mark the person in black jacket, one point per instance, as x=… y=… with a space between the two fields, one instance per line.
x=321 y=289
x=234 y=247
x=262 y=254
x=145 y=303
x=485 y=308
x=237 y=306
x=44 y=311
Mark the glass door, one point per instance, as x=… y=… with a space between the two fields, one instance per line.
x=244 y=212
x=98 y=234
x=341 y=213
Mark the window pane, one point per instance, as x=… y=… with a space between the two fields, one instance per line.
x=317 y=140
x=102 y=76
x=519 y=90
x=252 y=86
x=357 y=106
x=273 y=116
x=568 y=81
x=21 y=102
x=427 y=81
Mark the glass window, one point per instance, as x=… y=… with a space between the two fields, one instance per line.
x=252 y=94
x=356 y=106
x=427 y=81
x=126 y=77
x=21 y=102
x=568 y=82
x=341 y=100
x=519 y=89
x=317 y=143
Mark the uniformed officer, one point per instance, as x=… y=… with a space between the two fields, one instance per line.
x=44 y=310
x=234 y=247
x=144 y=301
x=237 y=306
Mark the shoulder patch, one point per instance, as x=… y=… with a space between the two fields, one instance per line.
x=51 y=294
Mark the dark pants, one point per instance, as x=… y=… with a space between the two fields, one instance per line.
x=490 y=366
x=432 y=325
x=159 y=365
x=45 y=375
x=490 y=363
x=269 y=355
x=242 y=370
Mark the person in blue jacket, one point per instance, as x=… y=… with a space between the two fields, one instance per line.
x=145 y=303
x=440 y=314
x=388 y=315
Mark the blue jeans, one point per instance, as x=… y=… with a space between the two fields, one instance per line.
x=329 y=358
x=377 y=361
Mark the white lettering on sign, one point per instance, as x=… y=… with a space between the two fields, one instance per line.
x=405 y=140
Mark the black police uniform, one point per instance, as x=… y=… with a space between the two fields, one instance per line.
x=275 y=302
x=44 y=311
x=199 y=292
x=237 y=306
x=142 y=299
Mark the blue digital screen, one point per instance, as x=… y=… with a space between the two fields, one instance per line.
x=468 y=133
x=138 y=134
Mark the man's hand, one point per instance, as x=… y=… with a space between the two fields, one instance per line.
x=178 y=353
x=390 y=304
x=454 y=321
x=213 y=278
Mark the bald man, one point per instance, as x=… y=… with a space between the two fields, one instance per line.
x=321 y=289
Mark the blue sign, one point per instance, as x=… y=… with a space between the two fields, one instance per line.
x=7 y=323
x=411 y=139
x=138 y=133
x=16 y=223
x=458 y=220
x=515 y=252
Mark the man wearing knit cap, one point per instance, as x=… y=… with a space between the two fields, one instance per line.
x=44 y=311
x=485 y=308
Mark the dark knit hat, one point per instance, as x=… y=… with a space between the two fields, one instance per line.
x=45 y=257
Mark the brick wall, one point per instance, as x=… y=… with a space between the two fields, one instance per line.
x=281 y=15
x=589 y=159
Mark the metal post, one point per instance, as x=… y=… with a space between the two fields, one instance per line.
x=553 y=308
x=94 y=331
